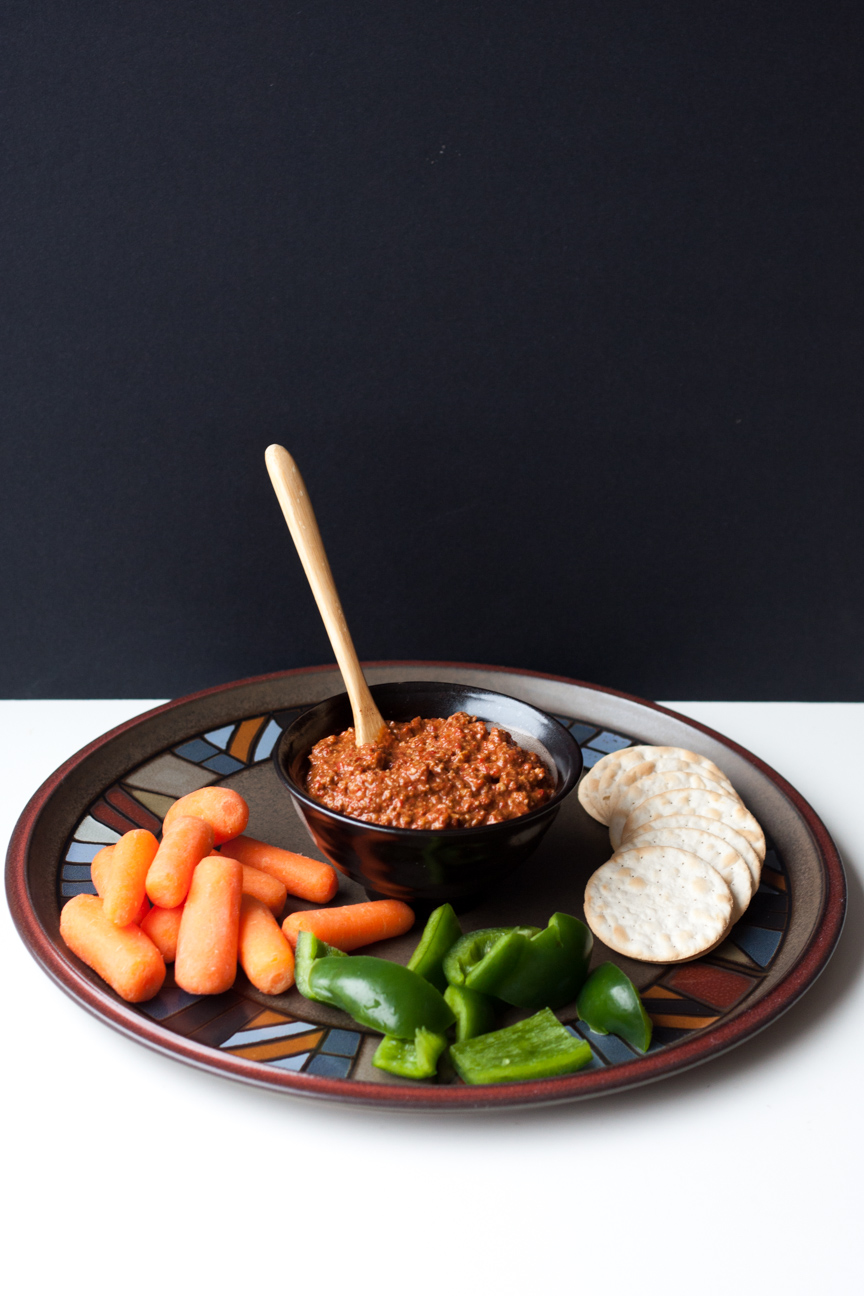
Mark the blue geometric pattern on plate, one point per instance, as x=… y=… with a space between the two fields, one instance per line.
x=582 y=732
x=222 y=764
x=220 y=737
x=267 y=741
x=196 y=750
x=294 y=1063
x=609 y=742
x=83 y=852
x=758 y=942
x=609 y=1047
x=76 y=873
x=338 y=1068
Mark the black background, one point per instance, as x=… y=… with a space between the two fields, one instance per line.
x=556 y=304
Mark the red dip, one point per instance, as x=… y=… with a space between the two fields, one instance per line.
x=451 y=773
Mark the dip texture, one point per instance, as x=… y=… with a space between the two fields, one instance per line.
x=451 y=773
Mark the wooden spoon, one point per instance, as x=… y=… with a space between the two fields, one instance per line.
x=297 y=507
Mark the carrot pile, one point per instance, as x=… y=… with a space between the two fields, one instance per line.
x=205 y=909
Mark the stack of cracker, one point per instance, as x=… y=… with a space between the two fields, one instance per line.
x=688 y=854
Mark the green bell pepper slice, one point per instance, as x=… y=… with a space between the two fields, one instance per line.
x=415 y=1059
x=524 y=966
x=609 y=1004
x=482 y=959
x=309 y=948
x=533 y=1049
x=384 y=996
x=442 y=930
x=475 y=1013
x=552 y=966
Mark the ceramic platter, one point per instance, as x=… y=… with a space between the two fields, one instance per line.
x=132 y=775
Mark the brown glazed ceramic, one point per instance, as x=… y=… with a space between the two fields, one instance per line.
x=130 y=776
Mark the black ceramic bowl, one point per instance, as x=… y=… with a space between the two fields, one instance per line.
x=420 y=865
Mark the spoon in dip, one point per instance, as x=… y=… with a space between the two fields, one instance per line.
x=300 y=516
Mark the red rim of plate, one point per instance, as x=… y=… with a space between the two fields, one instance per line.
x=654 y=1066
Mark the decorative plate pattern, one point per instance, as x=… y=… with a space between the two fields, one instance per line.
x=131 y=777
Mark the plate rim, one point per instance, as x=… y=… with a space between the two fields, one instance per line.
x=651 y=1067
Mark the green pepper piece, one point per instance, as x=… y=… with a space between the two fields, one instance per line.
x=533 y=1049
x=609 y=1003
x=309 y=949
x=524 y=966
x=415 y=1059
x=483 y=958
x=384 y=996
x=475 y=1014
x=442 y=930
x=552 y=966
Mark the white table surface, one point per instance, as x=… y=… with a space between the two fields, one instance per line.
x=128 y=1172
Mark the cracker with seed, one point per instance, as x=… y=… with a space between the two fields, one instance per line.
x=716 y=827
x=651 y=786
x=658 y=904
x=700 y=801
x=713 y=850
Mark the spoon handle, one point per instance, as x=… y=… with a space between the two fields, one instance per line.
x=297 y=508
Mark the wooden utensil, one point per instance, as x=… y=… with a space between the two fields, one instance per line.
x=299 y=514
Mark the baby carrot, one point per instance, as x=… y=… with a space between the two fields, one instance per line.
x=162 y=926
x=265 y=888
x=223 y=808
x=100 y=867
x=185 y=842
x=127 y=875
x=350 y=926
x=206 y=961
x=265 y=955
x=123 y=956
x=304 y=877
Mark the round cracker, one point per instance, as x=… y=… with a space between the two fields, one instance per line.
x=662 y=765
x=712 y=805
x=608 y=764
x=658 y=904
x=731 y=866
x=651 y=786
x=600 y=779
x=716 y=826
x=586 y=800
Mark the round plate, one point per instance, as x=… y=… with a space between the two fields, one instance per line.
x=130 y=777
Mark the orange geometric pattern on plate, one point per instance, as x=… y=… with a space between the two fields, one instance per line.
x=242 y=740
x=267 y=1018
x=278 y=1048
